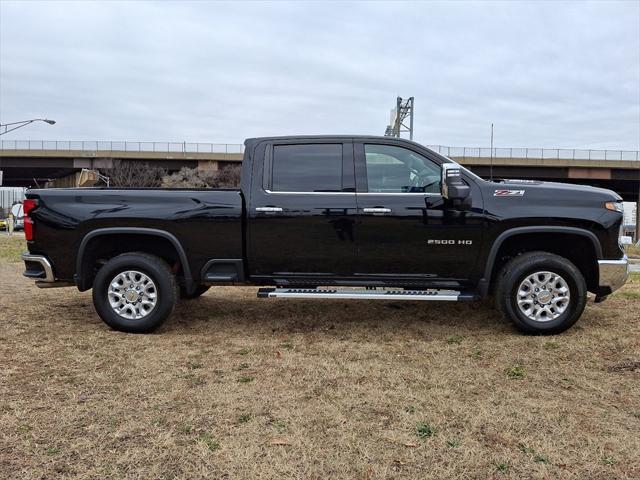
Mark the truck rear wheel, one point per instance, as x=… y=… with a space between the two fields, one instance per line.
x=541 y=293
x=135 y=292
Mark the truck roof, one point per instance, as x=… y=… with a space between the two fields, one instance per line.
x=253 y=141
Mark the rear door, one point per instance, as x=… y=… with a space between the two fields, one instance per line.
x=302 y=211
x=406 y=228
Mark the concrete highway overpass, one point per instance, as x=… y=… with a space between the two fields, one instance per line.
x=31 y=163
x=27 y=163
x=617 y=170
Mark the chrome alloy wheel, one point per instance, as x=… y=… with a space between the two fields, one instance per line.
x=132 y=294
x=543 y=296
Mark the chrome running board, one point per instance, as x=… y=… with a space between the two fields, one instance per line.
x=368 y=294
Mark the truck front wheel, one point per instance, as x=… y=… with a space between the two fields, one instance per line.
x=135 y=292
x=541 y=292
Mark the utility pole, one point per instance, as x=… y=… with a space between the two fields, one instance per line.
x=491 y=156
x=404 y=109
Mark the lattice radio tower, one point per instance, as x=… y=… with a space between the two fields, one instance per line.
x=397 y=125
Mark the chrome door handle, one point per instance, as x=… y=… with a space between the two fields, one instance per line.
x=268 y=209
x=376 y=210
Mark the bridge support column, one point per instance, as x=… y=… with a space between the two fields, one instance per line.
x=70 y=181
x=208 y=165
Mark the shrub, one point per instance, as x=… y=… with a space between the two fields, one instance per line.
x=132 y=173
x=228 y=177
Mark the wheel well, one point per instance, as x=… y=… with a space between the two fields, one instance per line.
x=102 y=248
x=576 y=248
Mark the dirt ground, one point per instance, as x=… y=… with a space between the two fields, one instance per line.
x=238 y=387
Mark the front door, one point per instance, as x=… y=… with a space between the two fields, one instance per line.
x=405 y=227
x=302 y=211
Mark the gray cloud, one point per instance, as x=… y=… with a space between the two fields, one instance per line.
x=553 y=74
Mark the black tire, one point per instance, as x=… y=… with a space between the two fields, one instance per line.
x=154 y=268
x=200 y=289
x=518 y=269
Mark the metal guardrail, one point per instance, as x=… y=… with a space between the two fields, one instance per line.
x=551 y=153
x=117 y=146
x=190 y=147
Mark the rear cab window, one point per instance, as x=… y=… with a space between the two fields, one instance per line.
x=306 y=168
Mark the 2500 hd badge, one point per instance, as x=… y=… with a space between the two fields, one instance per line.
x=432 y=241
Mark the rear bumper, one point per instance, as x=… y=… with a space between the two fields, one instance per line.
x=613 y=274
x=39 y=268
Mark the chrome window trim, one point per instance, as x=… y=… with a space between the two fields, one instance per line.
x=424 y=194
x=271 y=192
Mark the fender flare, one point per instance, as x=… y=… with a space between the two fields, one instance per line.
x=188 y=279
x=484 y=283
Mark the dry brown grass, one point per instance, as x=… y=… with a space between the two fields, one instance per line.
x=11 y=247
x=236 y=387
x=633 y=251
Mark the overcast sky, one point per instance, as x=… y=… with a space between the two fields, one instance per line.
x=551 y=74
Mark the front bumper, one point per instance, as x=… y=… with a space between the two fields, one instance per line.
x=613 y=274
x=40 y=269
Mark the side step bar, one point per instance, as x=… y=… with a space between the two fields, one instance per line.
x=352 y=293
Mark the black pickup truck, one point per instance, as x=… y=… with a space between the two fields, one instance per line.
x=334 y=217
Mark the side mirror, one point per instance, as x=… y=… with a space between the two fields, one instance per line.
x=453 y=188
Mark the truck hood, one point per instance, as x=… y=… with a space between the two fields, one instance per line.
x=549 y=202
x=557 y=189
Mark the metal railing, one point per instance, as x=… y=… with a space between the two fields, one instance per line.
x=191 y=147
x=121 y=146
x=550 y=153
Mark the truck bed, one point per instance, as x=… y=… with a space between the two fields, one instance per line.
x=207 y=223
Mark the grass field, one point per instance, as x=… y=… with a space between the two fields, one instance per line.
x=236 y=387
x=632 y=251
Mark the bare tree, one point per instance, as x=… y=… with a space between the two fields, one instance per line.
x=131 y=173
x=227 y=177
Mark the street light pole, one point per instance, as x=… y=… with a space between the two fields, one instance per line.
x=10 y=127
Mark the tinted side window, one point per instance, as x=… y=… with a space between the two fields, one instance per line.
x=307 y=168
x=392 y=169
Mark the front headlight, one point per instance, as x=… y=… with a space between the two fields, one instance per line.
x=614 y=206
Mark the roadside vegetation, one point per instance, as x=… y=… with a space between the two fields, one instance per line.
x=228 y=177
x=128 y=173
x=237 y=387
x=142 y=174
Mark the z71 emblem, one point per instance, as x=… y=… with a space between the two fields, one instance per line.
x=508 y=193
